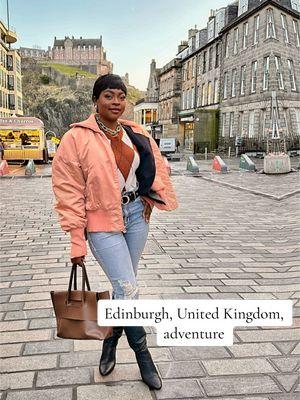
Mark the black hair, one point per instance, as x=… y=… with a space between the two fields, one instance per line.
x=108 y=81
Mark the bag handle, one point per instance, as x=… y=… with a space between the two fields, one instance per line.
x=73 y=277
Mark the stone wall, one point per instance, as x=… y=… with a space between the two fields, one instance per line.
x=73 y=82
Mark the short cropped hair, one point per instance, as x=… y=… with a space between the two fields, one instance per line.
x=108 y=81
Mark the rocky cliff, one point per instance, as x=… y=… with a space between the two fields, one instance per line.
x=56 y=105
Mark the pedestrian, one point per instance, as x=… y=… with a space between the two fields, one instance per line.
x=177 y=145
x=1 y=149
x=108 y=174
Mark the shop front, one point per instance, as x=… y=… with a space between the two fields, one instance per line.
x=187 y=129
x=23 y=138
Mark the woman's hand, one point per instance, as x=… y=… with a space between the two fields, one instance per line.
x=147 y=210
x=78 y=260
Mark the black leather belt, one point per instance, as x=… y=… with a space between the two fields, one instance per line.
x=129 y=196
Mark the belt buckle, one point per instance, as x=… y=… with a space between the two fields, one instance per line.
x=127 y=198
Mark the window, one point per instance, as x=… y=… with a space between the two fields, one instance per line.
x=199 y=65
x=216 y=91
x=245 y=35
x=266 y=73
x=241 y=123
x=188 y=99
x=209 y=92
x=194 y=67
x=204 y=96
x=225 y=85
x=11 y=101
x=233 y=82
x=210 y=51
x=270 y=24
x=292 y=74
x=198 y=96
x=296 y=32
x=184 y=72
x=10 y=63
x=235 y=40
x=193 y=97
x=284 y=28
x=226 y=45
x=10 y=82
x=223 y=124
x=217 y=63
x=279 y=72
x=251 y=124
x=256 y=30
x=204 y=62
x=253 y=76
x=231 y=119
x=183 y=100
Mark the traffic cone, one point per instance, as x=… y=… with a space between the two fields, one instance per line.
x=30 y=168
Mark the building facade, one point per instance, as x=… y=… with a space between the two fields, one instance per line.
x=11 y=99
x=260 y=91
x=87 y=53
x=35 y=53
x=241 y=78
x=201 y=69
x=146 y=109
x=169 y=98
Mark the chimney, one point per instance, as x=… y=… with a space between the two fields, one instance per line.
x=192 y=32
x=183 y=45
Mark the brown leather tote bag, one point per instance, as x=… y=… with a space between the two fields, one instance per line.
x=76 y=310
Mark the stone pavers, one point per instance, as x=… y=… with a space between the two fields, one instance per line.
x=220 y=244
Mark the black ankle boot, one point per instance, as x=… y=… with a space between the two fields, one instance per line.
x=136 y=336
x=108 y=356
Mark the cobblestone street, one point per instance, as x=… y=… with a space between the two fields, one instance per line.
x=234 y=236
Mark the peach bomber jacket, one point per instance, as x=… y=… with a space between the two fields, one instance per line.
x=86 y=184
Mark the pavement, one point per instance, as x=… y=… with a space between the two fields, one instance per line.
x=234 y=236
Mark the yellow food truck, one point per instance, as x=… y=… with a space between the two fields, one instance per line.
x=23 y=138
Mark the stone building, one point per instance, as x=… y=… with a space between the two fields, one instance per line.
x=146 y=109
x=11 y=98
x=35 y=53
x=241 y=78
x=169 y=97
x=260 y=91
x=201 y=63
x=89 y=54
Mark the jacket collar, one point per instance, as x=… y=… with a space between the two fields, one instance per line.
x=91 y=123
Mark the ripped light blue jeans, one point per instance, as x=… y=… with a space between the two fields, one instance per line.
x=118 y=253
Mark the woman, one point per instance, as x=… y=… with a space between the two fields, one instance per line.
x=107 y=175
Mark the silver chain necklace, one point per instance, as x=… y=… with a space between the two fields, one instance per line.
x=103 y=127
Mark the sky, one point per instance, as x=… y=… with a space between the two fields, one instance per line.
x=134 y=31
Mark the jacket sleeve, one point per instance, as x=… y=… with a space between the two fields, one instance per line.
x=69 y=189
